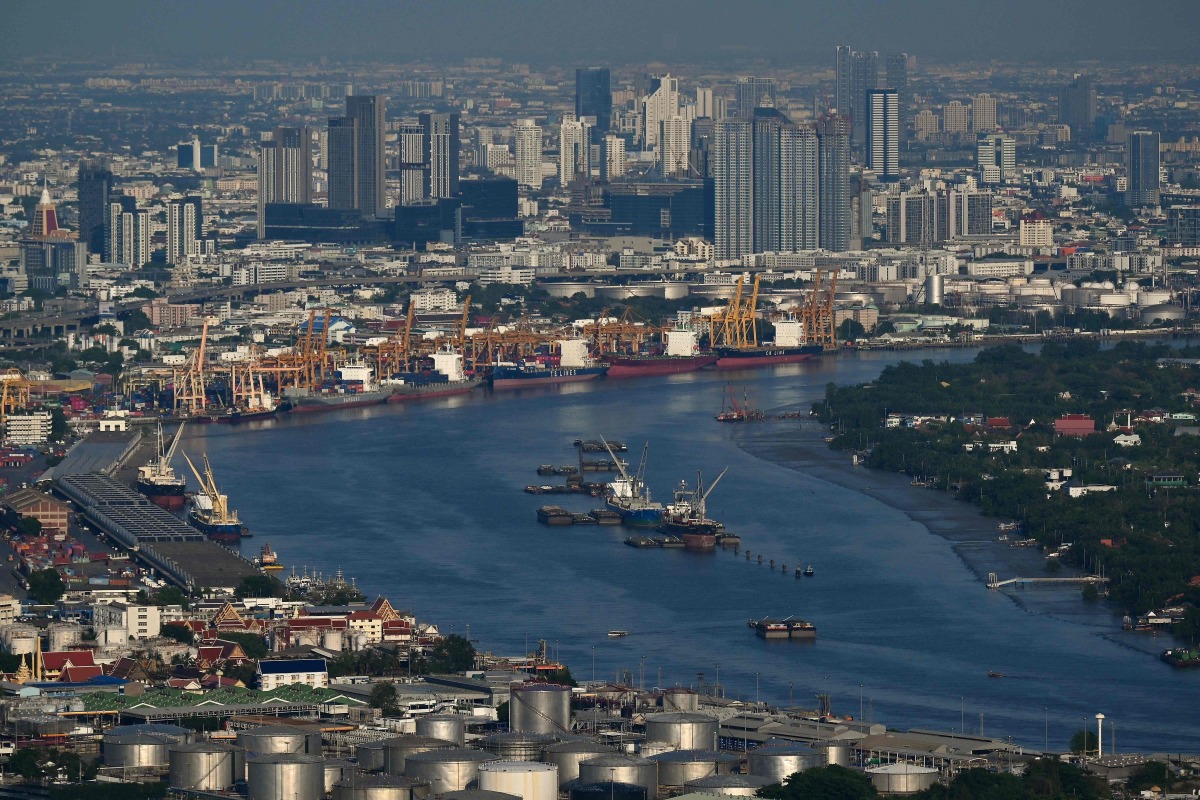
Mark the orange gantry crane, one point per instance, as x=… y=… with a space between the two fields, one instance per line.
x=735 y=326
x=15 y=393
x=817 y=313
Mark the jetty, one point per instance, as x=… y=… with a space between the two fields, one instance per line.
x=994 y=581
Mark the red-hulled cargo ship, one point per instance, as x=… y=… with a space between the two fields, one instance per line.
x=681 y=355
x=732 y=358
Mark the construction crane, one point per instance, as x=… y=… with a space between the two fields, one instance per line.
x=15 y=393
x=736 y=328
x=190 y=394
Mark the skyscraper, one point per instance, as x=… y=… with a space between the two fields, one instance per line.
x=411 y=141
x=883 y=134
x=799 y=188
x=833 y=133
x=612 y=157
x=983 y=113
x=752 y=93
x=95 y=185
x=1077 y=107
x=527 y=144
x=896 y=76
x=593 y=98
x=573 y=151
x=733 y=200
x=864 y=78
x=841 y=90
x=284 y=170
x=1142 y=168
x=195 y=156
x=996 y=156
x=185 y=227
x=441 y=146
x=955 y=117
x=662 y=102
x=356 y=166
x=127 y=233
x=674 y=143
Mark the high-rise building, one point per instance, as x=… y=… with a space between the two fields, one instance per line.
x=799 y=188
x=411 y=149
x=593 y=98
x=1142 y=168
x=441 y=146
x=127 y=233
x=833 y=134
x=185 y=227
x=700 y=150
x=925 y=124
x=883 y=134
x=996 y=156
x=1077 y=107
x=704 y=102
x=674 y=144
x=896 y=76
x=843 y=67
x=733 y=190
x=50 y=257
x=527 y=146
x=356 y=165
x=95 y=186
x=864 y=78
x=612 y=157
x=1183 y=226
x=983 y=113
x=752 y=93
x=194 y=156
x=956 y=117
x=926 y=218
x=662 y=102
x=574 y=151
x=284 y=170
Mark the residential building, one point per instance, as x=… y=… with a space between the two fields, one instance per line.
x=1077 y=107
x=137 y=621
x=441 y=146
x=356 y=157
x=751 y=93
x=896 y=77
x=864 y=79
x=185 y=228
x=527 y=137
x=1036 y=230
x=983 y=113
x=1142 y=169
x=310 y=672
x=29 y=428
x=926 y=124
x=661 y=103
x=284 y=170
x=996 y=156
x=674 y=146
x=574 y=160
x=955 y=117
x=883 y=134
x=833 y=135
x=733 y=195
x=612 y=157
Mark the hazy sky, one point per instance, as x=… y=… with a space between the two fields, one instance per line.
x=603 y=31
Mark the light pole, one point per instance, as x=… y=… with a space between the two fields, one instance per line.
x=1046 y=713
x=962 y=716
x=860 y=704
x=593 y=663
x=756 y=688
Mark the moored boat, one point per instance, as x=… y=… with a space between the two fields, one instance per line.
x=681 y=355
x=574 y=366
x=158 y=481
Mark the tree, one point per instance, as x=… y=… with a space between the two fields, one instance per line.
x=383 y=696
x=179 y=632
x=1150 y=774
x=46 y=586
x=252 y=643
x=28 y=526
x=257 y=586
x=1084 y=741
x=850 y=330
x=823 y=783
x=58 y=425
x=170 y=596
x=452 y=654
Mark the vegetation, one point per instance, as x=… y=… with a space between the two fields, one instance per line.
x=384 y=697
x=824 y=783
x=179 y=632
x=110 y=791
x=1141 y=536
x=259 y=586
x=1043 y=779
x=46 y=586
x=252 y=643
x=34 y=763
x=452 y=654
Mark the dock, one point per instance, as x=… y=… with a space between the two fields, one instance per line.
x=994 y=581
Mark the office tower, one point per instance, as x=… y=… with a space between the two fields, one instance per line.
x=955 y=117
x=996 y=157
x=767 y=123
x=799 y=188
x=843 y=68
x=573 y=151
x=1142 y=168
x=969 y=213
x=912 y=219
x=883 y=134
x=833 y=133
x=752 y=93
x=733 y=195
x=1077 y=107
x=1183 y=226
x=127 y=233
x=194 y=156
x=185 y=228
x=53 y=262
x=593 y=98
x=94 y=186
x=284 y=170
x=612 y=157
x=675 y=141
x=527 y=141
x=983 y=113
x=662 y=102
x=700 y=150
x=704 y=102
x=411 y=147
x=896 y=76
x=356 y=165
x=864 y=78
x=441 y=146
x=925 y=124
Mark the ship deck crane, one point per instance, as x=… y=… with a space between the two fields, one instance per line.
x=208 y=487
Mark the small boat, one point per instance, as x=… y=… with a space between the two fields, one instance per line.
x=808 y=571
x=995 y=674
x=617 y=634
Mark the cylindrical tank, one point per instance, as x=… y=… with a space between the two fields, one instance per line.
x=333 y=639
x=380 y=787
x=64 y=635
x=451 y=727
x=20 y=639
x=902 y=778
x=607 y=791
x=685 y=731
x=834 y=754
x=285 y=776
x=397 y=750
x=777 y=762
x=517 y=746
x=647 y=749
x=680 y=700
x=447 y=770
x=619 y=768
x=137 y=750
x=735 y=785
x=678 y=767
x=371 y=755
x=935 y=290
x=337 y=770
x=540 y=708
x=175 y=733
x=477 y=794
x=568 y=755
x=203 y=766
x=271 y=739
x=529 y=780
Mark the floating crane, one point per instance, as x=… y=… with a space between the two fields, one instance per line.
x=212 y=509
x=14 y=396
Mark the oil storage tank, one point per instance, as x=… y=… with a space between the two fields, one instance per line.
x=733 y=785
x=447 y=770
x=540 y=708
x=204 y=766
x=175 y=732
x=678 y=767
x=529 y=780
x=270 y=739
x=685 y=731
x=285 y=776
x=619 y=768
x=371 y=755
x=397 y=750
x=380 y=787
x=517 y=746
x=902 y=778
x=777 y=762
x=567 y=756
x=607 y=791
x=450 y=727
x=680 y=699
x=832 y=753
x=336 y=770
x=477 y=794
x=137 y=750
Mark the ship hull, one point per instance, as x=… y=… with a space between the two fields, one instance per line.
x=170 y=497
x=246 y=416
x=230 y=532
x=406 y=394
x=511 y=378
x=312 y=404
x=640 y=517
x=729 y=358
x=635 y=367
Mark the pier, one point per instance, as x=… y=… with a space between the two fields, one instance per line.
x=994 y=581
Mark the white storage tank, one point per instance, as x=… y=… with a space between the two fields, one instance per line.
x=447 y=770
x=397 y=750
x=137 y=750
x=203 y=767
x=902 y=778
x=777 y=762
x=371 y=755
x=270 y=739
x=678 y=767
x=450 y=727
x=285 y=776
x=619 y=768
x=680 y=700
x=380 y=787
x=567 y=756
x=517 y=746
x=477 y=794
x=685 y=731
x=336 y=770
x=64 y=635
x=732 y=785
x=529 y=780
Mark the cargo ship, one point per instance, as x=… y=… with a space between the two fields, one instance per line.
x=1182 y=657
x=210 y=512
x=574 y=366
x=681 y=355
x=687 y=519
x=629 y=496
x=267 y=560
x=447 y=379
x=789 y=347
x=158 y=481
x=788 y=628
x=355 y=387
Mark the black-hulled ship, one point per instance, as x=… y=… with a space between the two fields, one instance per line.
x=210 y=511
x=687 y=516
x=158 y=481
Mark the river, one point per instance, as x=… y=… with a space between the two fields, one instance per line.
x=423 y=503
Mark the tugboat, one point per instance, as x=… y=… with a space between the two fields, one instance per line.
x=687 y=518
x=210 y=509
x=732 y=412
x=267 y=560
x=629 y=496
x=158 y=481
